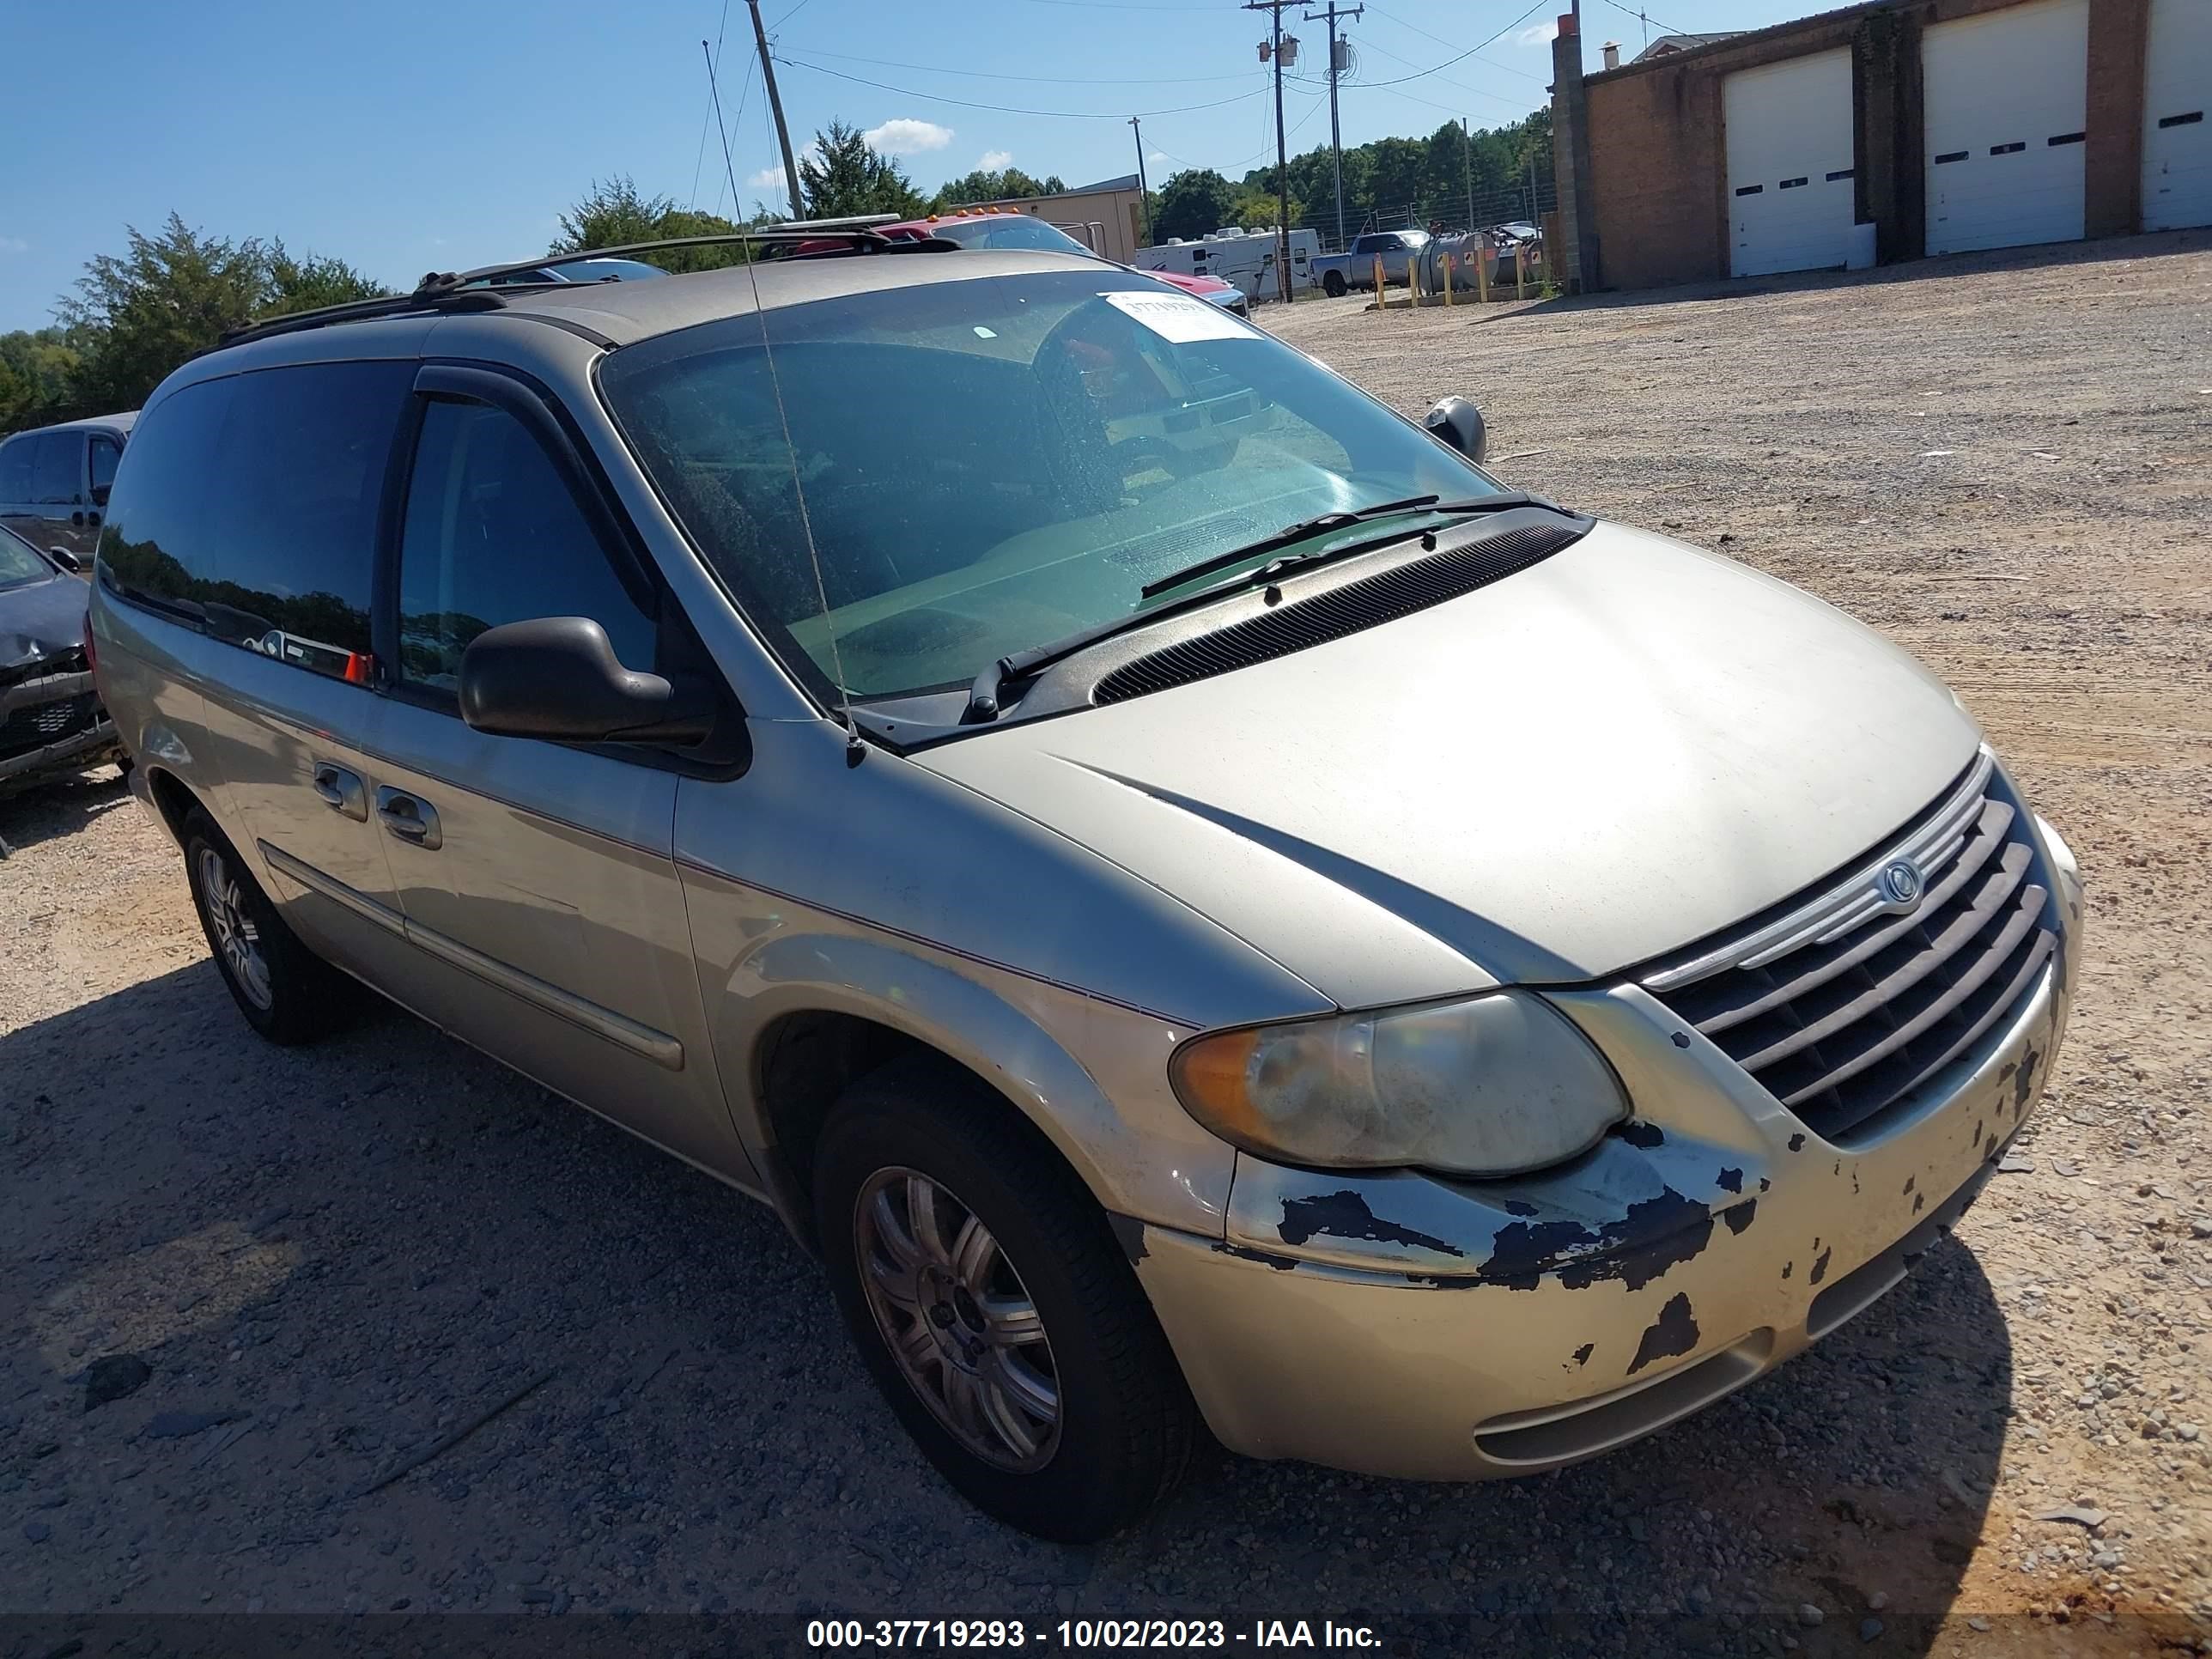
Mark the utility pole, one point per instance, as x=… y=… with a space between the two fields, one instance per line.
x=1335 y=135
x=1467 y=168
x=1143 y=190
x=775 y=106
x=1275 y=50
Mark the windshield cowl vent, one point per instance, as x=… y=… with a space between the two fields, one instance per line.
x=1367 y=603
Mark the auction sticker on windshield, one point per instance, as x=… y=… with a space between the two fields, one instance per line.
x=1177 y=317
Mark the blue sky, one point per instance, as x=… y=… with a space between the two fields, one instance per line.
x=407 y=136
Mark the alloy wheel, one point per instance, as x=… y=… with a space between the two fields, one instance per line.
x=236 y=935
x=958 y=1322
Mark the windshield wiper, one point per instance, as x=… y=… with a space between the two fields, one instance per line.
x=983 y=696
x=1291 y=535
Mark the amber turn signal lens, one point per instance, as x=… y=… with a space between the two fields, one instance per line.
x=1213 y=1076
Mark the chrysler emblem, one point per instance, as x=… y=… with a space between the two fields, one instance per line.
x=1900 y=882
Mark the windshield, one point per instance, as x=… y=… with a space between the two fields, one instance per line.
x=1008 y=230
x=19 y=564
x=994 y=463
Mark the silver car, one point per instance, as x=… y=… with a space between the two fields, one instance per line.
x=1302 y=945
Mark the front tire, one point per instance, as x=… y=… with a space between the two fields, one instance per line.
x=994 y=1307
x=288 y=994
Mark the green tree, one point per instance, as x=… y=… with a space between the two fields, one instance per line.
x=841 y=176
x=36 y=369
x=303 y=284
x=1194 y=203
x=136 y=316
x=1257 y=208
x=615 y=213
x=1431 y=176
x=1006 y=183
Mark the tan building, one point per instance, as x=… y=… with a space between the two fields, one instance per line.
x=1107 y=216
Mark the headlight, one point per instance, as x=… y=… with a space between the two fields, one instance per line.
x=1496 y=1086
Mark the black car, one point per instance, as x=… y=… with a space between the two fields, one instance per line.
x=50 y=719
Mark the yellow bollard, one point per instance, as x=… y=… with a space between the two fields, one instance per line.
x=1521 y=270
x=1382 y=293
x=1482 y=274
x=1448 y=278
x=1413 y=280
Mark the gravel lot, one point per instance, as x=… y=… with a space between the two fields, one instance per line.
x=331 y=1258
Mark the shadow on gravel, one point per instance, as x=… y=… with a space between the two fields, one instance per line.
x=39 y=812
x=594 y=1380
x=2089 y=256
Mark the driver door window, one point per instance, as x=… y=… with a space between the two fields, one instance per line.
x=493 y=536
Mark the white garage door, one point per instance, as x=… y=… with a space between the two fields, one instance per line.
x=2006 y=97
x=1790 y=194
x=2177 y=116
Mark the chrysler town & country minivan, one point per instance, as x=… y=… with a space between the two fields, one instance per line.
x=1305 y=946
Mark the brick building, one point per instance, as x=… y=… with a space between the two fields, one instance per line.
x=1941 y=125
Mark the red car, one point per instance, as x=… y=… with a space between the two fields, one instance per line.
x=1005 y=227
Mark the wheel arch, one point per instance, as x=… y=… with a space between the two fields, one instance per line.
x=173 y=798
x=808 y=1036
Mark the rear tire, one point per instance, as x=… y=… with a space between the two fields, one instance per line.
x=1332 y=284
x=1040 y=1384
x=286 y=992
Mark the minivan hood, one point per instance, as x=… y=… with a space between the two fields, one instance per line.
x=1589 y=763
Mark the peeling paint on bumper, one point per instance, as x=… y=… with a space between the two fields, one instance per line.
x=1402 y=1325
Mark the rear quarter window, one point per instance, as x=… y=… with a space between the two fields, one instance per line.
x=249 y=504
x=158 y=545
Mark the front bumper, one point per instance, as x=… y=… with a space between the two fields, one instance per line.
x=71 y=750
x=1402 y=1325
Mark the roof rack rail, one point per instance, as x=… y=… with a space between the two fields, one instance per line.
x=360 y=311
x=470 y=290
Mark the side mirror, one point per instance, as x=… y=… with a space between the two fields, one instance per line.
x=557 y=678
x=100 y=493
x=1457 y=422
x=67 y=560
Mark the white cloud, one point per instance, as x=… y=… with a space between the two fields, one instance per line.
x=1536 y=34
x=1159 y=155
x=992 y=160
x=902 y=136
x=13 y=244
x=766 y=178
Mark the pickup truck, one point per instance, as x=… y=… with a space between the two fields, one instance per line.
x=1339 y=273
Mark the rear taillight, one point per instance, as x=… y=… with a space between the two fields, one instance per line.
x=91 y=650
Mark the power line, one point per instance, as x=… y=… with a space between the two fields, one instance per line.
x=1005 y=109
x=788 y=16
x=1373 y=86
x=1053 y=80
x=707 y=119
x=744 y=91
x=1633 y=11
x=1122 y=5
x=1474 y=92
x=1487 y=63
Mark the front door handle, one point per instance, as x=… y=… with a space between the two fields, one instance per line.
x=410 y=817
x=342 y=791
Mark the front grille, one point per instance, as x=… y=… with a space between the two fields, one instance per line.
x=1842 y=1005
x=42 y=723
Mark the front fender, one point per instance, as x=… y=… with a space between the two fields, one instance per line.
x=1091 y=1075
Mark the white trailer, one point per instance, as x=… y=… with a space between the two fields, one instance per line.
x=1245 y=258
